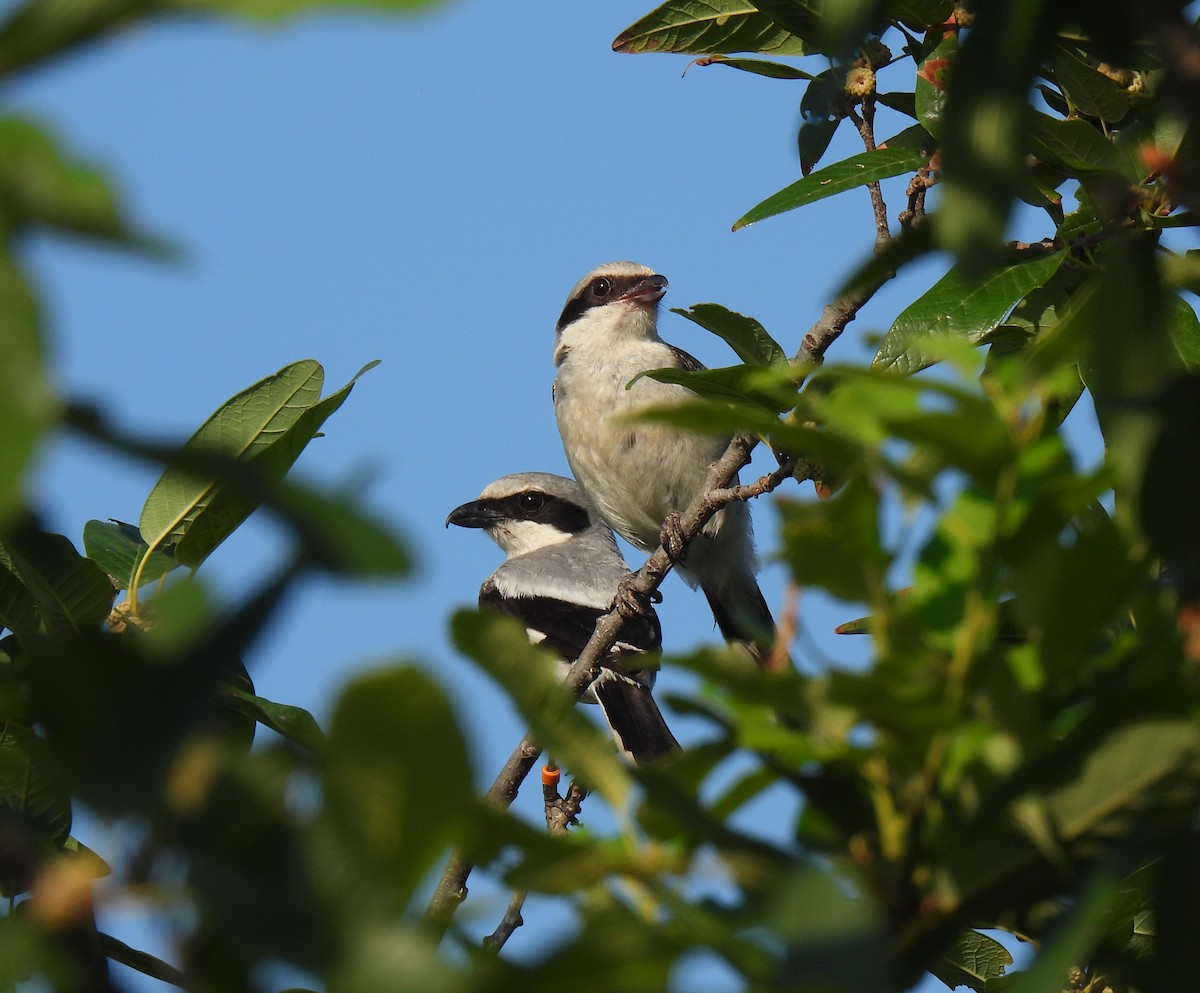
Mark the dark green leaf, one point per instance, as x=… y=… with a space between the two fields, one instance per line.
x=772 y=389
x=139 y=961
x=904 y=103
x=962 y=305
x=18 y=610
x=294 y=723
x=976 y=958
x=932 y=85
x=72 y=593
x=919 y=14
x=1184 y=329
x=1075 y=147
x=396 y=781
x=848 y=174
x=118 y=548
x=26 y=402
x=35 y=809
x=803 y=18
x=719 y=27
x=1088 y=89
x=812 y=141
x=749 y=339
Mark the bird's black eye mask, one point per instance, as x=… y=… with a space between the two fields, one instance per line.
x=534 y=505
x=598 y=291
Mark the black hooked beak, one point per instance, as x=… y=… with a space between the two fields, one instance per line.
x=476 y=514
x=647 y=290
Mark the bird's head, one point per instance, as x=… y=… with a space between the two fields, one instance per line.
x=617 y=298
x=526 y=511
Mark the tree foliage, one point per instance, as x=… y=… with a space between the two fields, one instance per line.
x=1022 y=754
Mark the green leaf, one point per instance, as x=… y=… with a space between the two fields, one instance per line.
x=1184 y=329
x=396 y=782
x=18 y=610
x=38 y=185
x=36 y=808
x=759 y=67
x=1088 y=89
x=139 y=961
x=1075 y=147
x=532 y=677
x=72 y=593
x=963 y=305
x=294 y=723
x=707 y=27
x=932 y=85
x=806 y=19
x=812 y=141
x=26 y=401
x=848 y=174
x=976 y=958
x=749 y=339
x=118 y=548
x=771 y=389
x=267 y=424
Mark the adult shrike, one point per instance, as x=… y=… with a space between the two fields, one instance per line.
x=638 y=474
x=560 y=577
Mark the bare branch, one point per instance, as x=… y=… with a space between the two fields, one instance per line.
x=511 y=920
x=865 y=122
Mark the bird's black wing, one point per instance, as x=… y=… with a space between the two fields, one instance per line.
x=688 y=363
x=567 y=626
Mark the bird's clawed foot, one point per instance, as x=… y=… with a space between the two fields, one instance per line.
x=672 y=538
x=634 y=603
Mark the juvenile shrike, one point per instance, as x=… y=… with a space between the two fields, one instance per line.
x=560 y=577
x=637 y=474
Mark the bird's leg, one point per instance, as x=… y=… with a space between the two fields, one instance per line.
x=634 y=603
x=672 y=538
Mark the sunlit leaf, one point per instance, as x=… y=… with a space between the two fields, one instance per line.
x=701 y=27
x=772 y=389
x=961 y=304
x=759 y=67
x=848 y=174
x=746 y=336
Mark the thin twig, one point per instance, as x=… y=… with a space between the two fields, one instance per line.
x=511 y=920
x=865 y=122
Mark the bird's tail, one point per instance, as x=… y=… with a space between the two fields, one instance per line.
x=636 y=722
x=743 y=616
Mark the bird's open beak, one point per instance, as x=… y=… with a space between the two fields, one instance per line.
x=646 y=291
x=476 y=514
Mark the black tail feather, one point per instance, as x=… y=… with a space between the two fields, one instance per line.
x=748 y=622
x=636 y=722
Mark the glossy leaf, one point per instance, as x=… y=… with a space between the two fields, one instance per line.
x=118 y=548
x=848 y=174
x=758 y=67
x=975 y=959
x=961 y=305
x=1089 y=90
x=719 y=27
x=746 y=336
x=754 y=386
x=72 y=593
x=1075 y=147
x=26 y=401
x=396 y=780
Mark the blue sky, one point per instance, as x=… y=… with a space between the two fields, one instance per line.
x=423 y=190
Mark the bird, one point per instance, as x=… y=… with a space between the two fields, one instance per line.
x=641 y=476
x=560 y=576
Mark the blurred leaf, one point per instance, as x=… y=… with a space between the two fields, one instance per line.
x=848 y=174
x=72 y=593
x=771 y=389
x=18 y=611
x=1088 y=89
x=294 y=723
x=396 y=781
x=976 y=958
x=274 y=9
x=117 y=548
x=26 y=402
x=533 y=679
x=834 y=543
x=38 y=185
x=759 y=67
x=269 y=424
x=713 y=27
x=744 y=335
x=1075 y=147
x=961 y=304
x=35 y=809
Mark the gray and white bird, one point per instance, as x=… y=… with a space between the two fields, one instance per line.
x=636 y=475
x=561 y=575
